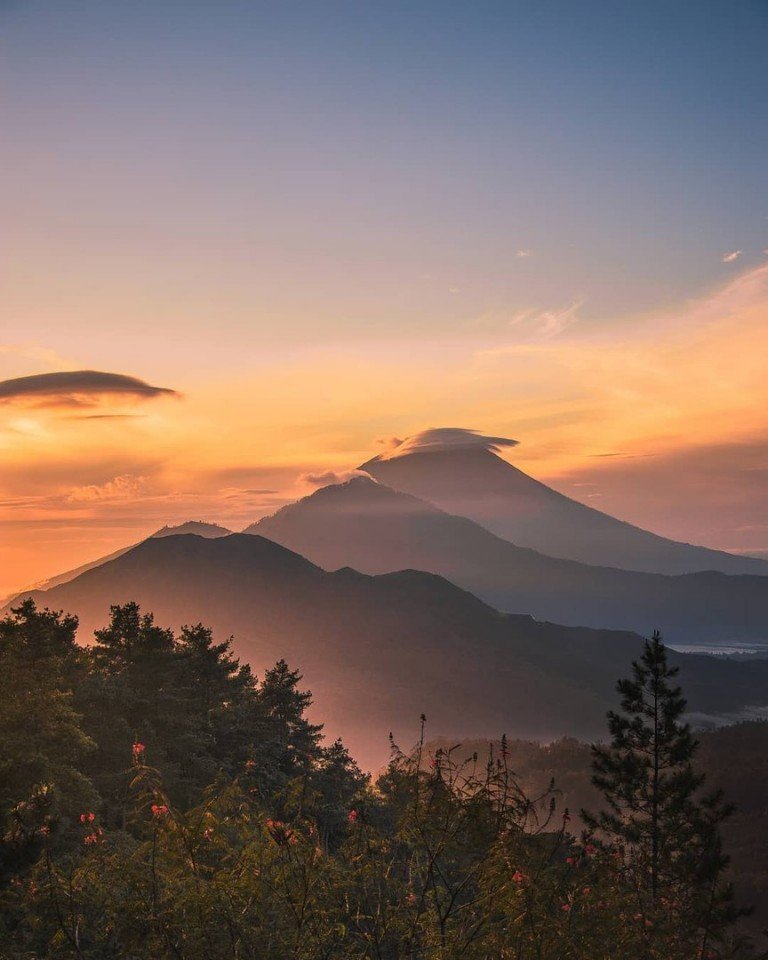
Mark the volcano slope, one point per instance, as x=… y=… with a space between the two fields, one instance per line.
x=460 y=472
x=376 y=530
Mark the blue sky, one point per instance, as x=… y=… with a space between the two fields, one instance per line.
x=388 y=153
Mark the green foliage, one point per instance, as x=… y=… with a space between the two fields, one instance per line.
x=179 y=808
x=42 y=740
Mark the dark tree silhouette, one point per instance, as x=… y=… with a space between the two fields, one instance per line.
x=657 y=815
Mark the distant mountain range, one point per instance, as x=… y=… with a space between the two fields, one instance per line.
x=366 y=525
x=198 y=527
x=377 y=651
x=460 y=472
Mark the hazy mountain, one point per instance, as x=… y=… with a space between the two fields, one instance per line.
x=365 y=525
x=377 y=651
x=198 y=527
x=459 y=471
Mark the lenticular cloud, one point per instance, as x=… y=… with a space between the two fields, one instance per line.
x=446 y=438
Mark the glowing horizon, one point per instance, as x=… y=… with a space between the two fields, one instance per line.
x=248 y=242
x=89 y=473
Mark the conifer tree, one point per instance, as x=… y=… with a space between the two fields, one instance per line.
x=657 y=817
x=286 y=745
x=43 y=747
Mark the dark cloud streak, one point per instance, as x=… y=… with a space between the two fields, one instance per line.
x=77 y=388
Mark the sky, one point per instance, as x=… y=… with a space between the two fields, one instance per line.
x=307 y=226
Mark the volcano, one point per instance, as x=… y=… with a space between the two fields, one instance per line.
x=461 y=472
x=366 y=525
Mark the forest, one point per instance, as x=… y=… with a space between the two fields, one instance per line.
x=158 y=800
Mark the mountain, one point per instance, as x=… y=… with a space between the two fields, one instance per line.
x=365 y=525
x=198 y=527
x=460 y=471
x=377 y=651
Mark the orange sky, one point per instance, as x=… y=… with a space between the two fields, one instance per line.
x=661 y=419
x=307 y=226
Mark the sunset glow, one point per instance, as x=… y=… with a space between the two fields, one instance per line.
x=302 y=257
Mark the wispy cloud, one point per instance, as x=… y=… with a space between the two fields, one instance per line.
x=653 y=384
x=328 y=477
x=124 y=487
x=730 y=257
x=548 y=323
x=522 y=254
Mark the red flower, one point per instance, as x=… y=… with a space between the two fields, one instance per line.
x=352 y=816
x=87 y=817
x=566 y=907
x=280 y=833
x=519 y=877
x=159 y=810
x=138 y=749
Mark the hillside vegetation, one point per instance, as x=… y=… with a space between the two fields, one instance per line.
x=159 y=801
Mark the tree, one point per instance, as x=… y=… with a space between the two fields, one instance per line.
x=286 y=745
x=661 y=824
x=43 y=746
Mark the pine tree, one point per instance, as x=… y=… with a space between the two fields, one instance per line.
x=657 y=815
x=132 y=694
x=286 y=745
x=43 y=746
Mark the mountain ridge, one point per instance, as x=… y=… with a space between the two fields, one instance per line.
x=366 y=525
x=379 y=651
x=199 y=527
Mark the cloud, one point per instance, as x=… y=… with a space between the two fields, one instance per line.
x=77 y=388
x=389 y=443
x=328 y=477
x=645 y=384
x=440 y=439
x=124 y=487
x=730 y=257
x=522 y=254
x=547 y=323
